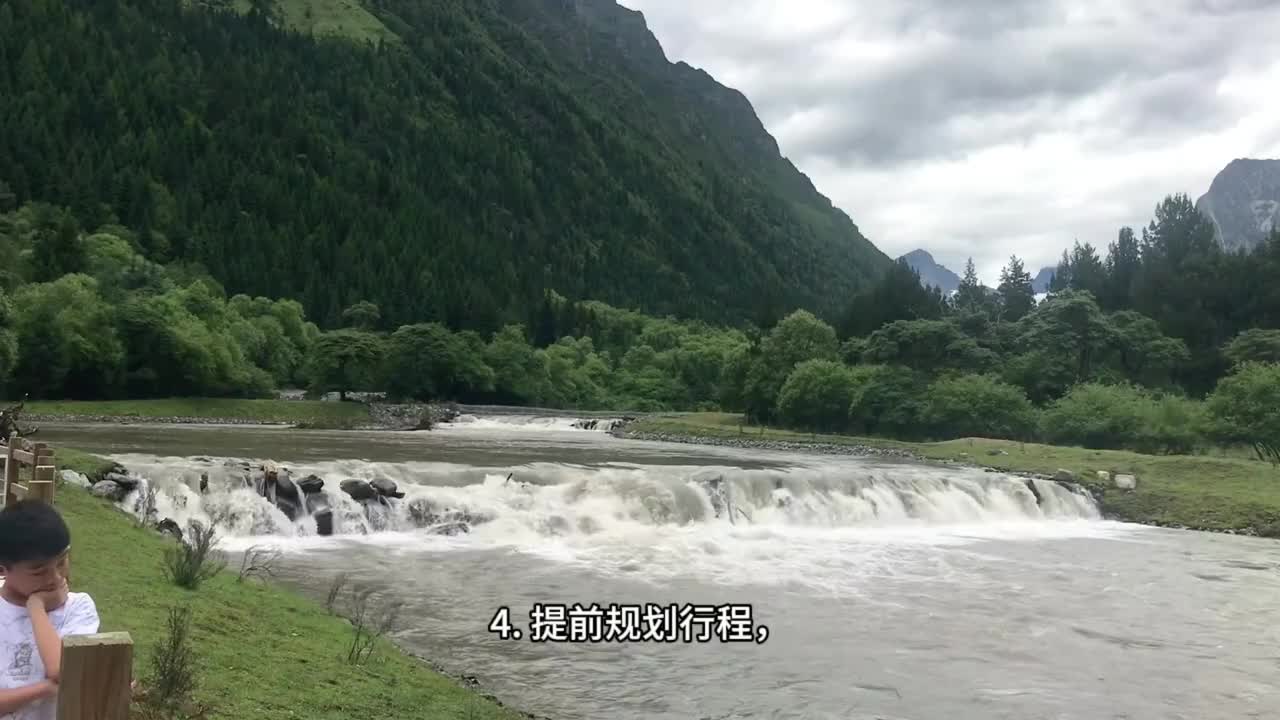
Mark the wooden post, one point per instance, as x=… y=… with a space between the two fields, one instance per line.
x=10 y=470
x=96 y=674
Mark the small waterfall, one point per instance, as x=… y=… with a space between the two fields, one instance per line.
x=552 y=500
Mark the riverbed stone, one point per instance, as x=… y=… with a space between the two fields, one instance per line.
x=359 y=490
x=168 y=527
x=122 y=480
x=311 y=484
x=71 y=477
x=386 y=487
x=109 y=490
x=285 y=486
x=1064 y=475
x=1126 y=482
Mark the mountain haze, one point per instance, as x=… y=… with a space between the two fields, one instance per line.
x=1244 y=203
x=446 y=160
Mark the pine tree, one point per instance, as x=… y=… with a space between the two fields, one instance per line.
x=1016 y=294
x=971 y=296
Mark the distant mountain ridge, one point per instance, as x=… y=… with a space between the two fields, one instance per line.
x=932 y=273
x=1243 y=202
x=1040 y=283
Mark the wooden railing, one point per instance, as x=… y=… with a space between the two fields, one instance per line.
x=39 y=479
x=97 y=672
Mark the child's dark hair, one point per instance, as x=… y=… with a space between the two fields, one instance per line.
x=31 y=531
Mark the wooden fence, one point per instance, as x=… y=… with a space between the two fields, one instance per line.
x=38 y=466
x=97 y=670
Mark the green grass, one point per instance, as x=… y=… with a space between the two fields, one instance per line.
x=1204 y=492
x=331 y=18
x=266 y=411
x=262 y=652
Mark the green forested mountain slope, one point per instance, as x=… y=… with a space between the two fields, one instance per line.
x=481 y=152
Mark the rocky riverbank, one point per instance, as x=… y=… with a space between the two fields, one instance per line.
x=748 y=443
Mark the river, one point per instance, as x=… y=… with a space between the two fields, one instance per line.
x=889 y=589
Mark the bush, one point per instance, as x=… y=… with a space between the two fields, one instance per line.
x=1245 y=408
x=1094 y=416
x=888 y=400
x=1123 y=417
x=193 y=561
x=1171 y=425
x=173 y=670
x=978 y=406
x=816 y=396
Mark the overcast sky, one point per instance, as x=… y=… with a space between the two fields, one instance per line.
x=985 y=128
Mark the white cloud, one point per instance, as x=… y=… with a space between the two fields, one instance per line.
x=993 y=127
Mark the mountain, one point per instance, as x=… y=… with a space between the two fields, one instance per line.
x=931 y=273
x=1040 y=283
x=447 y=160
x=1244 y=203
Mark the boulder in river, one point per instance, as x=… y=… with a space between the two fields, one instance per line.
x=123 y=480
x=109 y=490
x=311 y=484
x=1126 y=482
x=386 y=488
x=316 y=502
x=168 y=527
x=359 y=490
x=324 y=522
x=285 y=487
x=1064 y=476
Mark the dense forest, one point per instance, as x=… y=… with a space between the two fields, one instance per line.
x=1160 y=347
x=450 y=167
x=200 y=201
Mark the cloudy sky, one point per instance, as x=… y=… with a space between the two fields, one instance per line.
x=985 y=128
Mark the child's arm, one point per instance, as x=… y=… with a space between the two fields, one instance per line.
x=47 y=640
x=79 y=617
x=11 y=701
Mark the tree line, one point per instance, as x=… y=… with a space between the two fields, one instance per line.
x=85 y=314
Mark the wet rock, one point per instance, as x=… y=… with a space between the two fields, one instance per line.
x=1126 y=482
x=423 y=512
x=386 y=488
x=289 y=507
x=168 y=527
x=311 y=484
x=285 y=486
x=71 y=477
x=109 y=490
x=359 y=490
x=324 y=522
x=316 y=503
x=1064 y=476
x=124 y=481
x=1031 y=485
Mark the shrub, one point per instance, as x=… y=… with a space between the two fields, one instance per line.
x=1122 y=416
x=173 y=671
x=1172 y=425
x=1095 y=416
x=194 y=560
x=816 y=396
x=1245 y=408
x=978 y=406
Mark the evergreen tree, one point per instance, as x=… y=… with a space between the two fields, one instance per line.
x=1016 y=294
x=971 y=296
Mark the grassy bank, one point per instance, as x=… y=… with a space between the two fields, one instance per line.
x=1231 y=493
x=308 y=412
x=261 y=652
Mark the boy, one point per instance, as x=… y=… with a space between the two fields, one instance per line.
x=36 y=609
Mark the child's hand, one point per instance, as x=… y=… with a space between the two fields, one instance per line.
x=50 y=600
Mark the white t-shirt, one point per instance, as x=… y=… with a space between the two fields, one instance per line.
x=20 y=663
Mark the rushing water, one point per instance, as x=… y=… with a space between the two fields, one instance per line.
x=890 y=590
